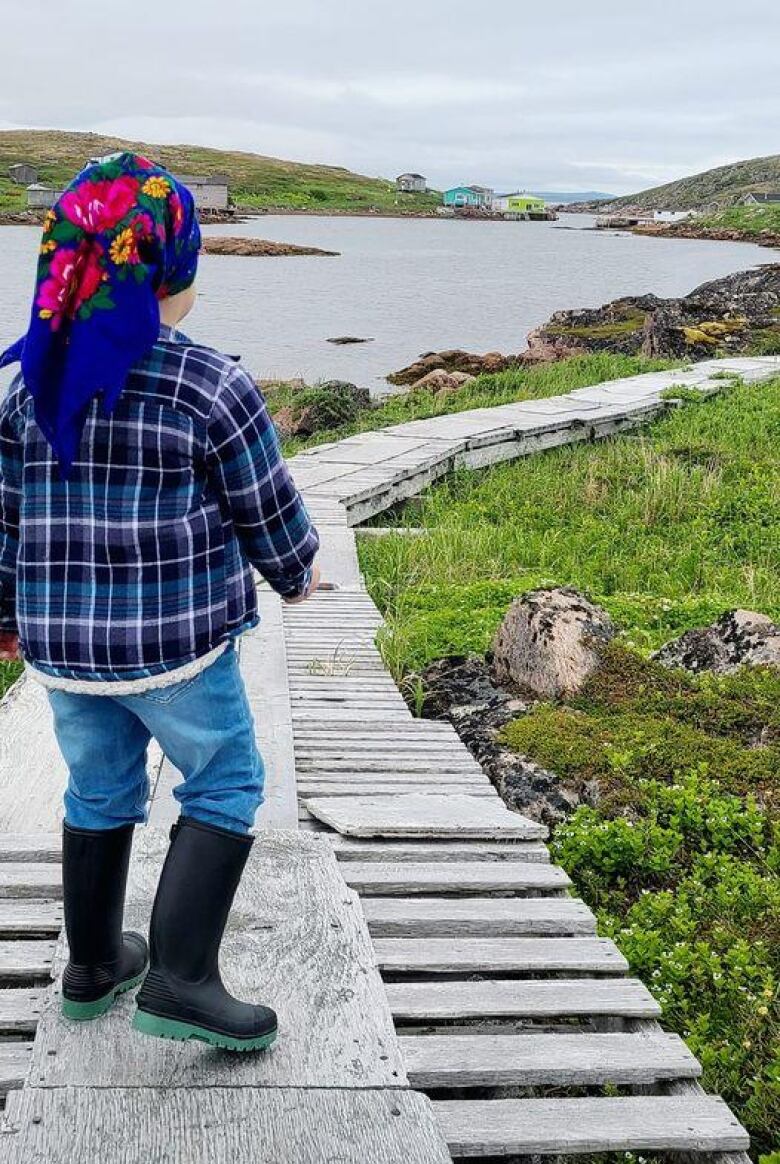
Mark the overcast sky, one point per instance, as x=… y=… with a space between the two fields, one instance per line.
x=557 y=95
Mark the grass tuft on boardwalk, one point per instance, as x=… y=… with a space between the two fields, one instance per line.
x=667 y=528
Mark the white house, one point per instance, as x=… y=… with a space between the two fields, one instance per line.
x=41 y=197
x=410 y=184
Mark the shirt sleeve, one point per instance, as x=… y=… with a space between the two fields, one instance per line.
x=10 y=499
x=248 y=470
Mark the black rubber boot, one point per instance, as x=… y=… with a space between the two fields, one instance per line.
x=183 y=996
x=104 y=961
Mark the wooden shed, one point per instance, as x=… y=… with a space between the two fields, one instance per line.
x=210 y=193
x=23 y=174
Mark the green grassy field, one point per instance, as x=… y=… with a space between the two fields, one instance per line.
x=681 y=859
x=255 y=180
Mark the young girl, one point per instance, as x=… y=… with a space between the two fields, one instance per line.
x=140 y=481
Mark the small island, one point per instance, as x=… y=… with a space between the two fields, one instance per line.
x=230 y=245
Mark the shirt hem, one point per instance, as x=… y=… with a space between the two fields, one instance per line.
x=128 y=686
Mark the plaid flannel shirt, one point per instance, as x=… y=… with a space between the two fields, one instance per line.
x=140 y=562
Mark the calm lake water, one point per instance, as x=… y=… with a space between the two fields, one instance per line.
x=412 y=285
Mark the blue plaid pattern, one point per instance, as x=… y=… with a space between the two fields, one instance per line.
x=140 y=562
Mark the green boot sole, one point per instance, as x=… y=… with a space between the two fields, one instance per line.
x=82 y=1012
x=165 y=1028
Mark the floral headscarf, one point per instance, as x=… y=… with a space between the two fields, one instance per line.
x=122 y=236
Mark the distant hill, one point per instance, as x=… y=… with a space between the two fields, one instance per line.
x=255 y=180
x=711 y=190
x=555 y=196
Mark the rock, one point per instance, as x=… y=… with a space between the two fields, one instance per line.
x=729 y=315
x=224 y=245
x=322 y=406
x=350 y=339
x=548 y=643
x=453 y=360
x=739 y=638
x=439 y=380
x=464 y=692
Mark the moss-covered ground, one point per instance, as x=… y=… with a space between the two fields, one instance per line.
x=680 y=857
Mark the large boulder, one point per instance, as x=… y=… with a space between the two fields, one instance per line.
x=739 y=638
x=439 y=380
x=549 y=642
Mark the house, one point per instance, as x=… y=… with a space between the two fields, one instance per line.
x=671 y=215
x=23 y=174
x=771 y=198
x=41 y=197
x=411 y=184
x=475 y=196
x=209 y=193
x=519 y=203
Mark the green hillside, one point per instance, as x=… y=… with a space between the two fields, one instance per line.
x=721 y=187
x=266 y=183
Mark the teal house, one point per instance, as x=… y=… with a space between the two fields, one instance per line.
x=478 y=196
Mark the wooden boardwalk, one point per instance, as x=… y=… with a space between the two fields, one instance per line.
x=441 y=992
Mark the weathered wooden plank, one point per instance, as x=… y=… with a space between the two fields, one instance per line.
x=467 y=877
x=516 y=998
x=29 y=760
x=390 y=787
x=526 y=1127
x=296 y=940
x=424 y=779
x=368 y=849
x=20 y=1010
x=219 y=1125
x=28 y=917
x=499 y=956
x=26 y=960
x=32 y=847
x=25 y=879
x=454 y=817
x=544 y=1060
x=363 y=764
x=14 y=1064
x=489 y=917
x=264 y=668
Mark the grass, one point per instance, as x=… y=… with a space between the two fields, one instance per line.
x=680 y=857
x=613 y=330
x=667 y=529
x=257 y=181
x=752 y=220
x=532 y=383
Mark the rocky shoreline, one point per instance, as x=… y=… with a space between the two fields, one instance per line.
x=764 y=238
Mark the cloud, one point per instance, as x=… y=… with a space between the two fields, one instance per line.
x=563 y=95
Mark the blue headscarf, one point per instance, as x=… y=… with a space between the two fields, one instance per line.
x=123 y=236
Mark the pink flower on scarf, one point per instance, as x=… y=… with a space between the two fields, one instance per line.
x=177 y=211
x=74 y=276
x=97 y=206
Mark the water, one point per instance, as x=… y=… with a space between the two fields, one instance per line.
x=413 y=285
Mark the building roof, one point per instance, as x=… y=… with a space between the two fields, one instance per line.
x=410 y=175
x=768 y=196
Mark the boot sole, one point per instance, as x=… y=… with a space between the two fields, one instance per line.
x=82 y=1012
x=166 y=1028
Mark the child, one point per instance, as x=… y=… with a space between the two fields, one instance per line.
x=140 y=481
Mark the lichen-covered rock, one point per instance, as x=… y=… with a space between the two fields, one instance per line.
x=738 y=313
x=548 y=644
x=739 y=638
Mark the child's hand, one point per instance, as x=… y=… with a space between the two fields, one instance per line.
x=315 y=581
x=9 y=646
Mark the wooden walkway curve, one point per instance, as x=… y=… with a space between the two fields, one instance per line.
x=442 y=994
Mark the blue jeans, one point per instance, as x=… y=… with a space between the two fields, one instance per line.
x=204 y=726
